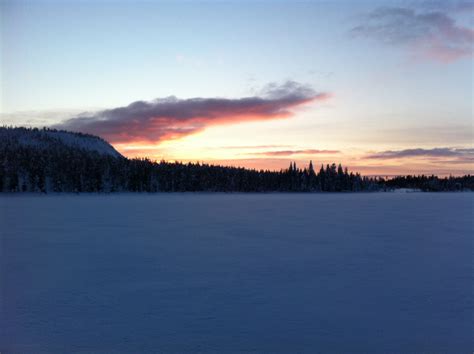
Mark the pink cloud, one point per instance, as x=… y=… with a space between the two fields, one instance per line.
x=171 y=118
x=431 y=34
x=297 y=152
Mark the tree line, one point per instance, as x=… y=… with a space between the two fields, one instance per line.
x=71 y=170
x=62 y=168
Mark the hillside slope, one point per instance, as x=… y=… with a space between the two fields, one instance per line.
x=48 y=139
x=46 y=160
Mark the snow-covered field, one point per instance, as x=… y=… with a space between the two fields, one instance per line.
x=237 y=273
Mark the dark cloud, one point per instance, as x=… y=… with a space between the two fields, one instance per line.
x=296 y=152
x=288 y=90
x=169 y=118
x=464 y=154
x=431 y=33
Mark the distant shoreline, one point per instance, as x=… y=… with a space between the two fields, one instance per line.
x=57 y=161
x=197 y=193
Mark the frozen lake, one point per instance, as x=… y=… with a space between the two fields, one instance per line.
x=237 y=273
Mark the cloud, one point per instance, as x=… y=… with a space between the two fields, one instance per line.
x=297 y=152
x=463 y=160
x=240 y=147
x=433 y=34
x=465 y=154
x=171 y=118
x=458 y=7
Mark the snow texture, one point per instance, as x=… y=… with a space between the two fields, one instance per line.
x=237 y=273
x=48 y=139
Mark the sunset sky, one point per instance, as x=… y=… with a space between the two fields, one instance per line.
x=384 y=87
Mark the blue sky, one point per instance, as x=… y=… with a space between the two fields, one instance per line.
x=387 y=91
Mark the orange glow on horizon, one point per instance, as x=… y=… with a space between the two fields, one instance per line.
x=355 y=164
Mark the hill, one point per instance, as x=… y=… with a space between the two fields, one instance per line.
x=51 y=139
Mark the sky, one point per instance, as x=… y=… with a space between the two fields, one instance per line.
x=383 y=87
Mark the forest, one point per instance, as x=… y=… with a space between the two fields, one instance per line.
x=46 y=160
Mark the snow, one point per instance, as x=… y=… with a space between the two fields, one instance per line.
x=237 y=273
x=49 y=138
x=406 y=190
